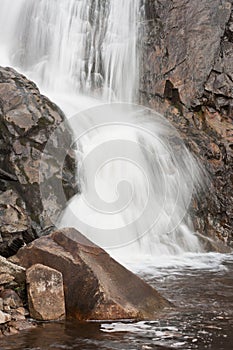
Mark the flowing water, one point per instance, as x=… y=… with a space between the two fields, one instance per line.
x=135 y=174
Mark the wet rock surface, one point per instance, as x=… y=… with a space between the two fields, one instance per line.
x=96 y=286
x=187 y=76
x=27 y=121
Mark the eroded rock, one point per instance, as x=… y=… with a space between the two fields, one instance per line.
x=96 y=286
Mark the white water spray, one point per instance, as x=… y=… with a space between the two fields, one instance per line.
x=79 y=49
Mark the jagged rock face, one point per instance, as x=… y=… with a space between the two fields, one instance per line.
x=187 y=74
x=27 y=121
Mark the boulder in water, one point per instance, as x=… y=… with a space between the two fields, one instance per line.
x=45 y=293
x=96 y=286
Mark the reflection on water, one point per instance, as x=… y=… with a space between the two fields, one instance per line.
x=203 y=318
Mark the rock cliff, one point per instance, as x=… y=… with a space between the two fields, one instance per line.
x=187 y=75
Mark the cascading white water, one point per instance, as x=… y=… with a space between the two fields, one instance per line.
x=87 y=46
x=77 y=48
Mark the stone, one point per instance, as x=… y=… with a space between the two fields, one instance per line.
x=12 y=331
x=96 y=286
x=27 y=121
x=22 y=311
x=19 y=326
x=11 y=300
x=10 y=269
x=45 y=293
x=17 y=316
x=15 y=223
x=4 y=318
x=6 y=278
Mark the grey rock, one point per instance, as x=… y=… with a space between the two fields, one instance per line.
x=27 y=121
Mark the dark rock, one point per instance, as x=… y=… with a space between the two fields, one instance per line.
x=96 y=286
x=27 y=121
x=187 y=67
x=45 y=293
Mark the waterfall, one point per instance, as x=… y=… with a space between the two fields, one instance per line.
x=136 y=176
x=87 y=46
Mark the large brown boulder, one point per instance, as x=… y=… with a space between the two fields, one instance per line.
x=27 y=121
x=187 y=67
x=96 y=286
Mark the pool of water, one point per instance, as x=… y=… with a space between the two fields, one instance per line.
x=201 y=287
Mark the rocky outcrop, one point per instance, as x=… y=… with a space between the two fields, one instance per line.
x=187 y=67
x=45 y=293
x=27 y=121
x=13 y=312
x=96 y=286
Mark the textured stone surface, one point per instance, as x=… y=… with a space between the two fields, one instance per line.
x=15 y=222
x=96 y=286
x=6 y=278
x=27 y=121
x=45 y=293
x=12 y=313
x=187 y=76
x=11 y=300
x=15 y=271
